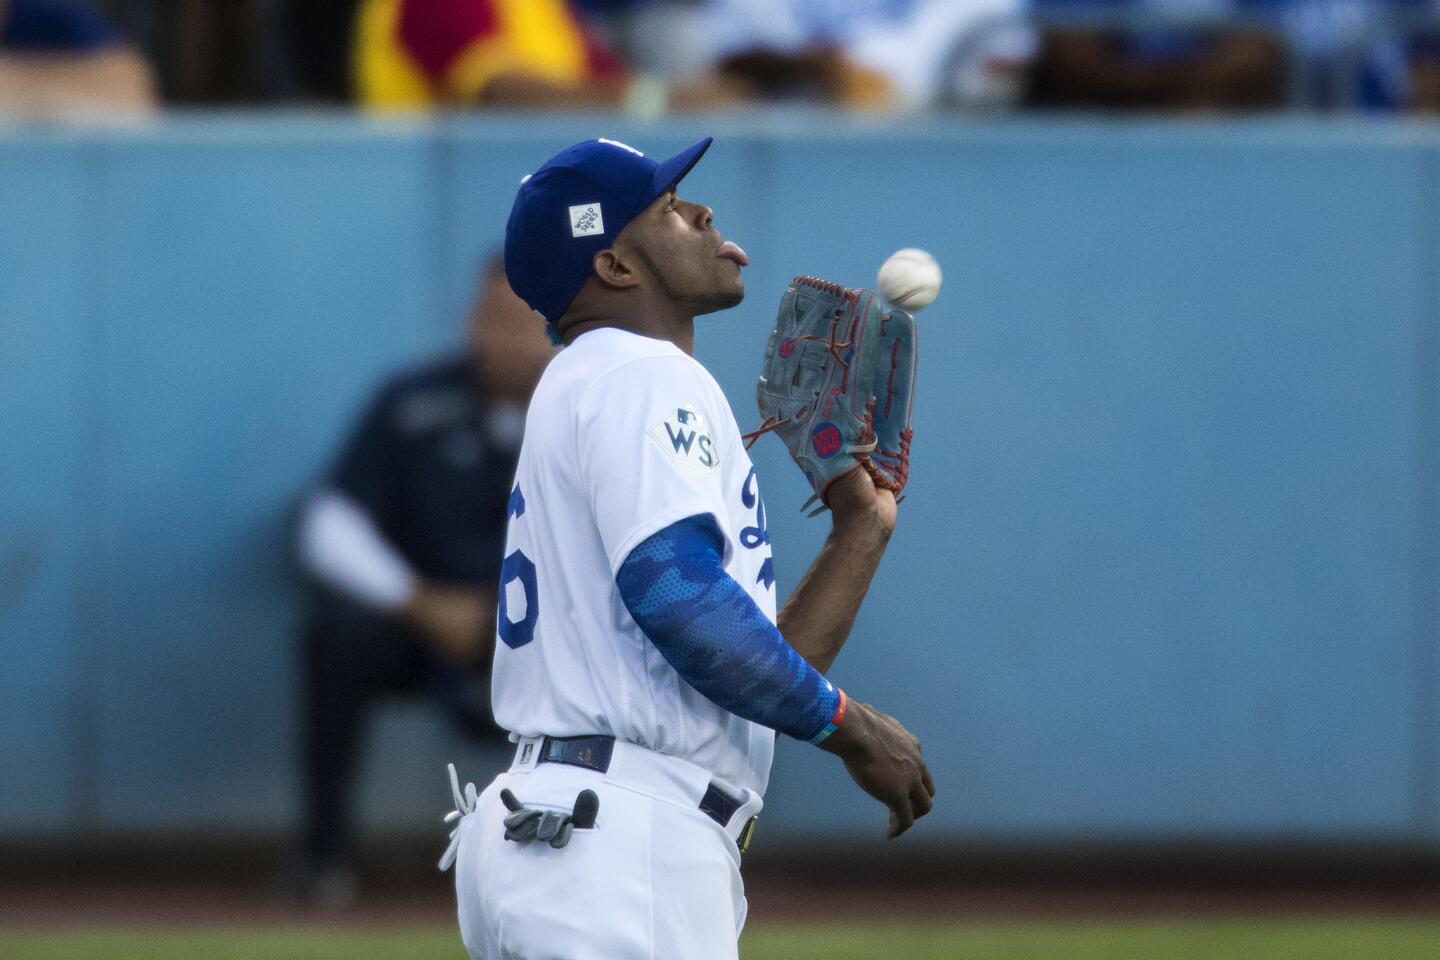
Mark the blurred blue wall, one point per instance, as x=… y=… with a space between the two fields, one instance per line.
x=1168 y=564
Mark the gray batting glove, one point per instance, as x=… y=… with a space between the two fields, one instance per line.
x=464 y=806
x=527 y=824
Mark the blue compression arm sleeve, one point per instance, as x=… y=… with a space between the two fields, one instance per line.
x=709 y=629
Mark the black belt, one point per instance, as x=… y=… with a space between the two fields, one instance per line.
x=594 y=753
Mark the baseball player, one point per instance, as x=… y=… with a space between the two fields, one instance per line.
x=642 y=670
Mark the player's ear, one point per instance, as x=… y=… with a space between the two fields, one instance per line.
x=615 y=268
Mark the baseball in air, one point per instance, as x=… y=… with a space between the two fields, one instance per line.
x=910 y=279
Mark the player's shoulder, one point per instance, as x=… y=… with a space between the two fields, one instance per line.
x=608 y=347
x=609 y=359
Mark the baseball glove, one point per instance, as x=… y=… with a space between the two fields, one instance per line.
x=838 y=383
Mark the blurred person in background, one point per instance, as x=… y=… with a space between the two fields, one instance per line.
x=210 y=52
x=404 y=542
x=1345 y=54
x=322 y=47
x=658 y=38
x=1321 y=54
x=871 y=54
x=61 y=57
x=1197 y=67
x=1401 y=63
x=1324 y=53
x=415 y=55
x=1425 y=70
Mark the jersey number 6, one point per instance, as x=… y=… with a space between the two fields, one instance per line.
x=516 y=633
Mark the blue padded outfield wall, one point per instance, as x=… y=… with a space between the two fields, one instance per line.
x=1168 y=564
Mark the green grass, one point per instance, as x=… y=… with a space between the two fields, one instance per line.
x=1050 y=940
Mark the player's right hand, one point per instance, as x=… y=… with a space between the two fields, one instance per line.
x=884 y=759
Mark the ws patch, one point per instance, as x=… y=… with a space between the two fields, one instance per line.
x=685 y=440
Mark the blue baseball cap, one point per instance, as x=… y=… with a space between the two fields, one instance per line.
x=573 y=207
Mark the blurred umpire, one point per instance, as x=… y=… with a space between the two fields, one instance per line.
x=403 y=542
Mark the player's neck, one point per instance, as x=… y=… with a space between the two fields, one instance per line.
x=679 y=329
x=643 y=310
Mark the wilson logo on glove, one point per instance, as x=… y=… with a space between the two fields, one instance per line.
x=826 y=440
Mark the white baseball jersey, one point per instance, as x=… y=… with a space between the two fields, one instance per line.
x=625 y=435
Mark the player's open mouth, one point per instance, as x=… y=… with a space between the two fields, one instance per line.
x=730 y=250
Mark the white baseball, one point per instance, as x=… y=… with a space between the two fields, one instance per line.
x=910 y=279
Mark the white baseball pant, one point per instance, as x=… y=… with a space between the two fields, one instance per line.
x=655 y=879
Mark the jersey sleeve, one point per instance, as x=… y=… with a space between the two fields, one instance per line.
x=647 y=447
x=709 y=629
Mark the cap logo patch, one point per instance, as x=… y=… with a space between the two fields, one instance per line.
x=586 y=220
x=622 y=146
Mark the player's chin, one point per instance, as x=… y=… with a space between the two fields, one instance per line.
x=723 y=296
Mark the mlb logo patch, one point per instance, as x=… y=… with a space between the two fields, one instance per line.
x=586 y=220
x=686 y=442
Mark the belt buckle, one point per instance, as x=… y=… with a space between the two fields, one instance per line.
x=587 y=752
x=747 y=833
